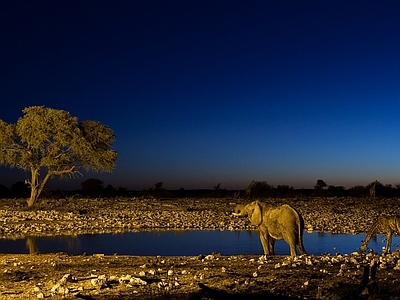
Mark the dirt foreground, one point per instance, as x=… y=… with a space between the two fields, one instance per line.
x=208 y=276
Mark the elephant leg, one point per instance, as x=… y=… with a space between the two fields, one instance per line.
x=388 y=242
x=301 y=247
x=271 y=244
x=293 y=250
x=292 y=244
x=265 y=241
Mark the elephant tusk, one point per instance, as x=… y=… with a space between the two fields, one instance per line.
x=236 y=214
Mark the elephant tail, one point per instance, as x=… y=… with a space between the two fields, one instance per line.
x=301 y=230
x=299 y=227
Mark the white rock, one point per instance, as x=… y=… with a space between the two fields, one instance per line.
x=93 y=281
x=138 y=281
x=99 y=282
x=209 y=257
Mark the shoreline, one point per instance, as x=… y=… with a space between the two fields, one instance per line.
x=97 y=216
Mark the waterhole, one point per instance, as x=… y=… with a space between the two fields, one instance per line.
x=187 y=243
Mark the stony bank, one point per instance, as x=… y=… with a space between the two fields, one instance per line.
x=78 y=216
x=213 y=276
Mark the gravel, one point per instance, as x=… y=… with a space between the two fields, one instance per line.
x=94 y=216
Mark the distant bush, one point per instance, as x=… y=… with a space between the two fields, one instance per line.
x=4 y=192
x=358 y=191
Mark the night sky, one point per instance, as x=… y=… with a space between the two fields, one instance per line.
x=206 y=92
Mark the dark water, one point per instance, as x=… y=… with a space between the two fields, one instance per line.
x=187 y=243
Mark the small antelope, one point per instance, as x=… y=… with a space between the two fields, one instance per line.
x=385 y=224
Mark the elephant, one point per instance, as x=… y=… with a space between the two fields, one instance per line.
x=275 y=223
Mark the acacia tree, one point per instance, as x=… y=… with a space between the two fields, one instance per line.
x=50 y=142
x=319 y=187
x=92 y=187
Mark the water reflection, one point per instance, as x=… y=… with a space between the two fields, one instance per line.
x=31 y=245
x=186 y=243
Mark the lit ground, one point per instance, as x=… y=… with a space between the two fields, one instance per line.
x=213 y=276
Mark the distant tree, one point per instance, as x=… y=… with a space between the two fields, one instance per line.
x=4 y=191
x=158 y=191
x=20 y=189
x=123 y=192
x=261 y=189
x=303 y=192
x=236 y=194
x=181 y=192
x=158 y=185
x=337 y=191
x=59 y=193
x=285 y=191
x=319 y=188
x=92 y=187
x=358 y=191
x=388 y=191
x=320 y=185
x=50 y=142
x=110 y=191
x=218 y=192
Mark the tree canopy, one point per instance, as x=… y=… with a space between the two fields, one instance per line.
x=320 y=184
x=50 y=142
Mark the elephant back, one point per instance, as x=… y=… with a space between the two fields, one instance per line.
x=291 y=213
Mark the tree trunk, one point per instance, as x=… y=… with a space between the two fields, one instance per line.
x=34 y=196
x=31 y=245
x=33 y=183
x=36 y=186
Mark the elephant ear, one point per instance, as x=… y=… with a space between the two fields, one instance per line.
x=256 y=216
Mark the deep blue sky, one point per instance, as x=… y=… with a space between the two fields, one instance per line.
x=206 y=92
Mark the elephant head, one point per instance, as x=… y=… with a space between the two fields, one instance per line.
x=252 y=210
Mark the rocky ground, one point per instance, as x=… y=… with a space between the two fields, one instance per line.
x=213 y=276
